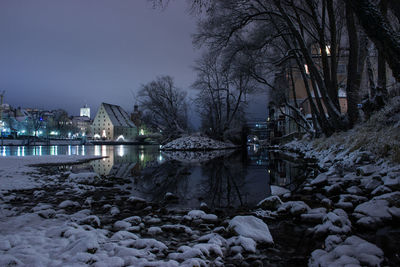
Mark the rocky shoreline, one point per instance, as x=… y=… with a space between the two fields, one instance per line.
x=347 y=214
x=355 y=207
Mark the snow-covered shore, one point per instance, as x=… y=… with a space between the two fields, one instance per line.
x=68 y=219
x=356 y=195
x=17 y=173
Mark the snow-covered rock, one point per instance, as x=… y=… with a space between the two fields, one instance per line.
x=84 y=177
x=373 y=213
x=270 y=203
x=293 y=207
x=68 y=203
x=251 y=227
x=279 y=191
x=199 y=214
x=320 y=179
x=368 y=169
x=196 y=143
x=354 y=251
x=335 y=222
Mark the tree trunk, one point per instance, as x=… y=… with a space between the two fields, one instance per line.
x=353 y=77
x=380 y=32
x=381 y=57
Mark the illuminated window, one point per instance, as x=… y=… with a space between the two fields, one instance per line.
x=327 y=50
x=306 y=68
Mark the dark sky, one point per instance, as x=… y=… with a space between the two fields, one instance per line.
x=66 y=53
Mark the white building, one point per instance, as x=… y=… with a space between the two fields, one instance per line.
x=85 y=111
x=113 y=123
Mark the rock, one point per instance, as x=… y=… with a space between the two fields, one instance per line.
x=373 y=213
x=121 y=225
x=240 y=243
x=368 y=170
x=393 y=198
x=354 y=190
x=370 y=183
x=176 y=228
x=135 y=200
x=270 y=203
x=380 y=190
x=279 y=191
x=133 y=220
x=68 y=203
x=314 y=215
x=114 y=211
x=333 y=189
x=251 y=227
x=354 y=251
x=47 y=213
x=154 y=230
x=335 y=222
x=392 y=182
x=199 y=214
x=84 y=178
x=91 y=220
x=294 y=207
x=327 y=203
x=321 y=179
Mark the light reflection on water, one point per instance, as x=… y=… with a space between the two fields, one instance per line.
x=230 y=179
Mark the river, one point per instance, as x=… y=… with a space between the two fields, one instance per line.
x=221 y=179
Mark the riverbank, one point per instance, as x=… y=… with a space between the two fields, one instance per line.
x=85 y=219
x=356 y=198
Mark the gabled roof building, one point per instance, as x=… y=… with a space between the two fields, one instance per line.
x=113 y=123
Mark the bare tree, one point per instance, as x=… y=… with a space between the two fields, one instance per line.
x=165 y=106
x=222 y=97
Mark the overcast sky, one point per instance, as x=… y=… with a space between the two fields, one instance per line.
x=67 y=53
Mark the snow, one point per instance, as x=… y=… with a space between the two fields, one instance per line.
x=279 y=191
x=196 y=143
x=199 y=214
x=15 y=171
x=354 y=251
x=335 y=222
x=251 y=227
x=270 y=203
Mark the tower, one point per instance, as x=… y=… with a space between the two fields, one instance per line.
x=85 y=111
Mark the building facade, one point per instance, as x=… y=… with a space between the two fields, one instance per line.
x=113 y=123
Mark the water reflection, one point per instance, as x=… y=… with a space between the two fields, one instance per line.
x=221 y=179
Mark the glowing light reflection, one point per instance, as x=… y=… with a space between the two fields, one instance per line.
x=97 y=150
x=121 y=151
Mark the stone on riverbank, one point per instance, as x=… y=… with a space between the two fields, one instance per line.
x=354 y=251
x=251 y=227
x=270 y=203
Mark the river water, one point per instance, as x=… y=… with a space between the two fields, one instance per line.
x=221 y=179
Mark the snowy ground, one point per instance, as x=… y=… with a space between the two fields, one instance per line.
x=68 y=219
x=356 y=207
x=347 y=214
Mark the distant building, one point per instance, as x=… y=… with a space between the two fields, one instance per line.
x=113 y=123
x=85 y=111
x=82 y=123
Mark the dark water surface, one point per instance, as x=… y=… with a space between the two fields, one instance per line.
x=221 y=179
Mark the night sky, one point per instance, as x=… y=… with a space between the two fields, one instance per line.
x=64 y=54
